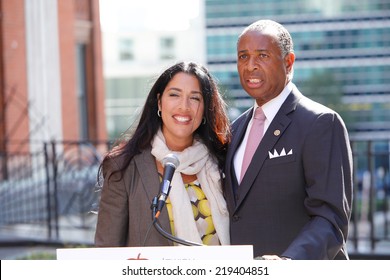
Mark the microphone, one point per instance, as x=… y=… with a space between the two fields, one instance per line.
x=170 y=163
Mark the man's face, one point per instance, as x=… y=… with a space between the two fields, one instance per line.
x=262 y=68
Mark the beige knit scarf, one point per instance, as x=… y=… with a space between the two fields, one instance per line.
x=194 y=160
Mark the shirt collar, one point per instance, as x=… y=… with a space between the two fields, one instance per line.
x=271 y=108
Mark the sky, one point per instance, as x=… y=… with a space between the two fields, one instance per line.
x=169 y=15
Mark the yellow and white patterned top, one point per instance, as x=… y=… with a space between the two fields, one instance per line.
x=202 y=214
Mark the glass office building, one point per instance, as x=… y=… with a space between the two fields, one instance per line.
x=342 y=54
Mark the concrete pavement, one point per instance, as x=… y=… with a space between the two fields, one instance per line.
x=21 y=241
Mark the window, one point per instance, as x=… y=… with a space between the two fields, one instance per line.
x=126 y=49
x=167 y=48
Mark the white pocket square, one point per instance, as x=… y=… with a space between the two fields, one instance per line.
x=282 y=153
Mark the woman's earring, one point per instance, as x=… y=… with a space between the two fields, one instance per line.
x=159 y=113
x=204 y=120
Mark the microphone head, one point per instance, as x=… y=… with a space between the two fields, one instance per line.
x=171 y=159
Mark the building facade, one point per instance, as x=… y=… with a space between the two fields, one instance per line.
x=51 y=75
x=342 y=54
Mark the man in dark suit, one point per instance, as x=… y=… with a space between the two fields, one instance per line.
x=294 y=200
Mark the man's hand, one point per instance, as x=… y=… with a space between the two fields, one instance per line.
x=273 y=257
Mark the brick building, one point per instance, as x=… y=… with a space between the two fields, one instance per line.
x=51 y=76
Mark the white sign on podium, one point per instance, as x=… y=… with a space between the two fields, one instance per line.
x=233 y=252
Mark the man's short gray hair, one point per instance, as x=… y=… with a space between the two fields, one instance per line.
x=285 y=41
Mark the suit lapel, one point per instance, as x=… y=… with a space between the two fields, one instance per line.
x=147 y=169
x=238 y=133
x=274 y=132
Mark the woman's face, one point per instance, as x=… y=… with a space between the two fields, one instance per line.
x=181 y=105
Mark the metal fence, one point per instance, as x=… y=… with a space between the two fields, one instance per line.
x=52 y=188
x=55 y=188
x=370 y=220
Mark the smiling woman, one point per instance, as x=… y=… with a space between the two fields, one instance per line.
x=184 y=114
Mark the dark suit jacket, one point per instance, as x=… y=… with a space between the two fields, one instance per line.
x=298 y=205
x=125 y=216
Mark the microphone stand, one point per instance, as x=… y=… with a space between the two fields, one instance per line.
x=164 y=233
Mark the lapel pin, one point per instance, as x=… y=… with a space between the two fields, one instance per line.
x=277 y=132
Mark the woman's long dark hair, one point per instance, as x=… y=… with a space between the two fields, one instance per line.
x=215 y=133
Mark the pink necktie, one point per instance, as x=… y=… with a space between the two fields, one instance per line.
x=254 y=138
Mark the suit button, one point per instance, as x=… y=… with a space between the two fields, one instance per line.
x=236 y=218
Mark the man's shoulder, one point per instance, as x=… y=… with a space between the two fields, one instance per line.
x=309 y=110
x=309 y=105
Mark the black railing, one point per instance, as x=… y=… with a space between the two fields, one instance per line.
x=371 y=214
x=54 y=187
